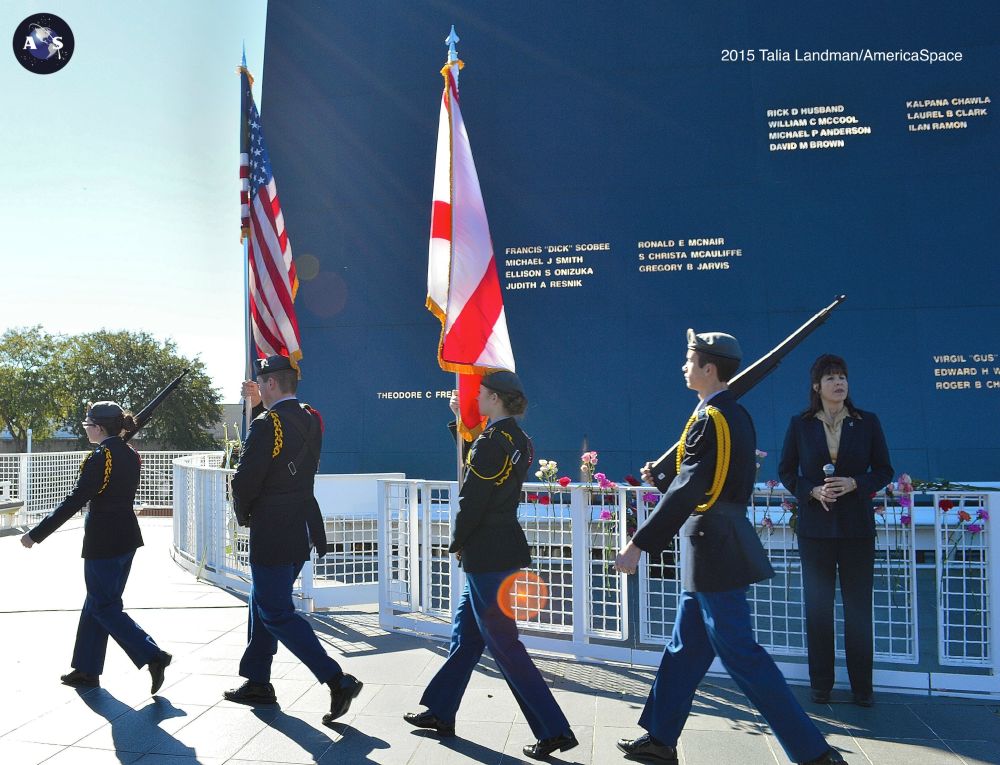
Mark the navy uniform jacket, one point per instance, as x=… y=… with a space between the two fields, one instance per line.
x=486 y=529
x=720 y=548
x=862 y=455
x=279 y=506
x=109 y=479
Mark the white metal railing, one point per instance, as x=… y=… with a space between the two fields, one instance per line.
x=209 y=542
x=588 y=615
x=41 y=480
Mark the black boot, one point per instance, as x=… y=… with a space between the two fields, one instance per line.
x=252 y=693
x=546 y=746
x=647 y=749
x=343 y=691
x=157 y=669
x=431 y=721
x=79 y=679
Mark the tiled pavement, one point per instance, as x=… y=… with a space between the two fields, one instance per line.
x=204 y=627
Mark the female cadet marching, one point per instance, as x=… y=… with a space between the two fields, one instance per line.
x=109 y=479
x=491 y=547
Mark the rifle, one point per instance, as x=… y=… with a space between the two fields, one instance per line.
x=147 y=411
x=753 y=374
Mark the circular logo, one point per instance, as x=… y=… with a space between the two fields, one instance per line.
x=43 y=43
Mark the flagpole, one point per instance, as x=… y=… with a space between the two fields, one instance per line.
x=459 y=438
x=450 y=40
x=248 y=365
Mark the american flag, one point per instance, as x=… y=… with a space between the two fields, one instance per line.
x=273 y=282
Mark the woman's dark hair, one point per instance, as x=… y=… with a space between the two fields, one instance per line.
x=513 y=403
x=120 y=425
x=826 y=364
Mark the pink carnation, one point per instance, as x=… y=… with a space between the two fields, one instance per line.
x=772 y=483
x=983 y=515
x=605 y=515
x=905 y=501
x=974 y=528
x=905 y=520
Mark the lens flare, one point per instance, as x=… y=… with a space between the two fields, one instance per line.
x=522 y=595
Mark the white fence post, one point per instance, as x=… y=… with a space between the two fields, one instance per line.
x=579 y=512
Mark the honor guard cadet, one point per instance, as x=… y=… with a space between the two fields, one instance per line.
x=109 y=479
x=273 y=495
x=706 y=493
x=492 y=548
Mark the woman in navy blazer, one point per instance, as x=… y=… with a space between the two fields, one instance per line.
x=833 y=460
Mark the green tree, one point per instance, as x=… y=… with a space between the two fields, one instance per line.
x=131 y=368
x=33 y=392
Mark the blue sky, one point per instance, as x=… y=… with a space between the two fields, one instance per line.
x=121 y=208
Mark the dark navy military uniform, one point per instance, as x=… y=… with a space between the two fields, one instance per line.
x=273 y=494
x=721 y=557
x=492 y=546
x=109 y=479
x=839 y=541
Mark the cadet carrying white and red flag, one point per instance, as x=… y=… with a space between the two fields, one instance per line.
x=272 y=283
x=463 y=289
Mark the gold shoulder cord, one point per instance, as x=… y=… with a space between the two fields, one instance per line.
x=503 y=474
x=279 y=436
x=723 y=451
x=107 y=470
x=107 y=467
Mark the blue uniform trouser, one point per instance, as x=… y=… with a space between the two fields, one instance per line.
x=102 y=615
x=711 y=624
x=480 y=623
x=273 y=618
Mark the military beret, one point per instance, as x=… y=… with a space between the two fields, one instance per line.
x=715 y=343
x=503 y=382
x=273 y=364
x=104 y=410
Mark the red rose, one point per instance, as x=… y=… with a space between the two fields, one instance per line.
x=544 y=499
x=565 y=481
x=946 y=505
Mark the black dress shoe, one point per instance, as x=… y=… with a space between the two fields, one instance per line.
x=252 y=693
x=79 y=679
x=157 y=669
x=865 y=699
x=430 y=720
x=342 y=692
x=830 y=757
x=546 y=746
x=647 y=748
x=820 y=697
